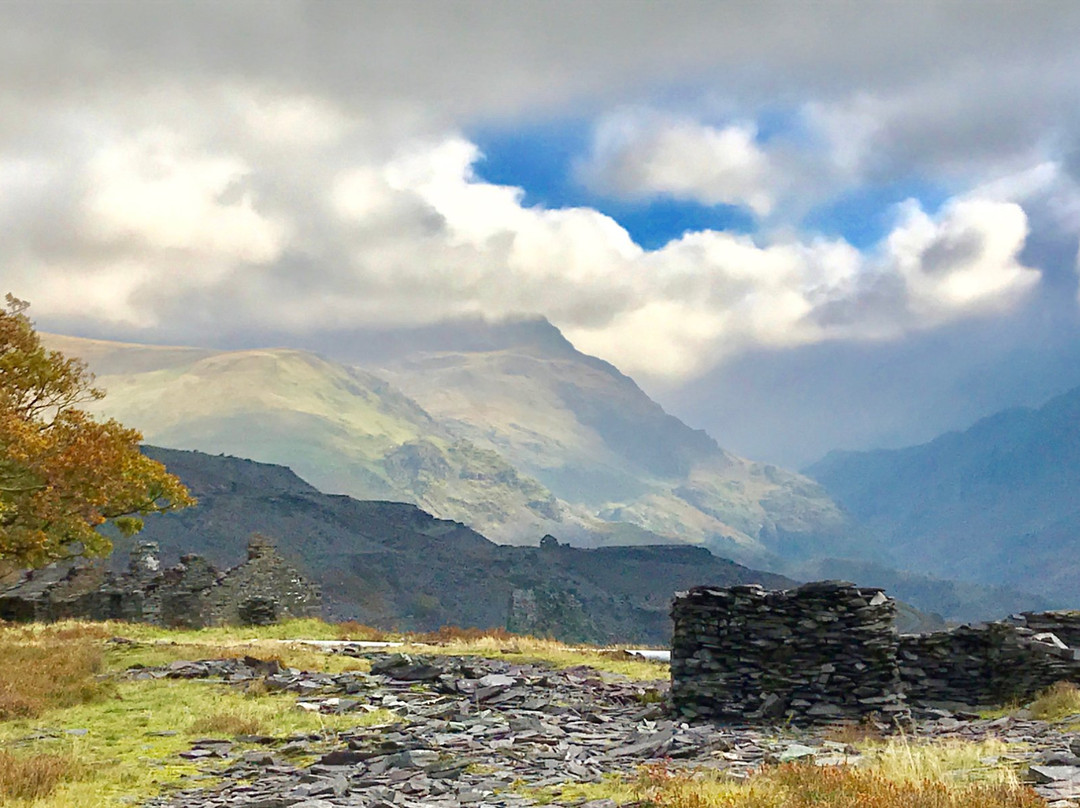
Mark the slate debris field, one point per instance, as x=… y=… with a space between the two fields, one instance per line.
x=484 y=732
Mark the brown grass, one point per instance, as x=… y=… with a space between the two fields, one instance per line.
x=457 y=634
x=1058 y=701
x=851 y=732
x=31 y=777
x=227 y=723
x=39 y=675
x=351 y=630
x=801 y=785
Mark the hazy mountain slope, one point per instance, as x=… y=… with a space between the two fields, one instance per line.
x=393 y=565
x=995 y=503
x=590 y=434
x=517 y=434
x=342 y=428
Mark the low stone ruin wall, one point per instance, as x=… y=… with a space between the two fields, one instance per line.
x=191 y=594
x=823 y=651
x=991 y=663
x=829 y=650
x=1065 y=625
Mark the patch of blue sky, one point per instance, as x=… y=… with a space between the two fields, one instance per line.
x=864 y=216
x=540 y=159
x=775 y=122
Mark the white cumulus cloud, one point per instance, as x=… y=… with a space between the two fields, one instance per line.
x=646 y=154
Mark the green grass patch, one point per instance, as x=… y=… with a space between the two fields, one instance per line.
x=131 y=741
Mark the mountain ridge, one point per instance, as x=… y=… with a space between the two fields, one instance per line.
x=582 y=451
x=994 y=503
x=395 y=566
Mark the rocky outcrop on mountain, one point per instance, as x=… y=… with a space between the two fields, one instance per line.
x=395 y=566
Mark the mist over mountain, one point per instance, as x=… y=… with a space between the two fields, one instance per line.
x=995 y=503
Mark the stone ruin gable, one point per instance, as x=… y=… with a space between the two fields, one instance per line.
x=985 y=664
x=821 y=652
x=44 y=594
x=263 y=589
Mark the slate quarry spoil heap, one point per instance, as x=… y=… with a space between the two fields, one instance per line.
x=821 y=652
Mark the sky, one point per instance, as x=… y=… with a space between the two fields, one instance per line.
x=800 y=226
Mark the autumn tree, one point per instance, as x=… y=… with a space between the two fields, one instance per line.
x=63 y=473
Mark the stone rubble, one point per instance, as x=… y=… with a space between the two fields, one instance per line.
x=483 y=732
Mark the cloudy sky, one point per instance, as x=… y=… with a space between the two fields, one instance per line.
x=799 y=225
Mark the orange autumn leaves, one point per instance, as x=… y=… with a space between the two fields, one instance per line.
x=63 y=473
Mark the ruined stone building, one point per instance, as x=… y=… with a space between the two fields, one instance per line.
x=830 y=650
x=261 y=590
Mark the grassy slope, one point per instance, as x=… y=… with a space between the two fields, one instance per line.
x=592 y=436
x=344 y=430
x=535 y=439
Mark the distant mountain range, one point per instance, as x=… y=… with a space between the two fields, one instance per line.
x=998 y=503
x=393 y=565
x=510 y=430
x=516 y=434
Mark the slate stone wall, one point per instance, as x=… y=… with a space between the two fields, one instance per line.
x=985 y=664
x=821 y=652
x=1064 y=624
x=827 y=651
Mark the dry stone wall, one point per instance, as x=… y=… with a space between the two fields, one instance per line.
x=821 y=652
x=984 y=664
x=829 y=650
x=1065 y=625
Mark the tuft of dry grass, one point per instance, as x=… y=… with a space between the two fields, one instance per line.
x=448 y=635
x=40 y=674
x=1058 y=701
x=804 y=785
x=227 y=722
x=32 y=777
x=351 y=630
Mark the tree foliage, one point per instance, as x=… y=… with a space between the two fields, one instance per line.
x=63 y=473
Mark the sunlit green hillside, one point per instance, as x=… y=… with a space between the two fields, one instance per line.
x=515 y=441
